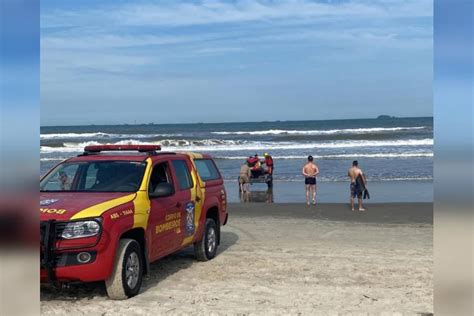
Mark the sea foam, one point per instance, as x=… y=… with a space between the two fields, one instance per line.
x=213 y=145
x=322 y=132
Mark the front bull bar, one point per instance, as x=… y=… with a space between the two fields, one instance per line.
x=47 y=244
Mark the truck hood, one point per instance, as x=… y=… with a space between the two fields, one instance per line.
x=67 y=205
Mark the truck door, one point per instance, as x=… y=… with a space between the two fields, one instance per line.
x=165 y=215
x=186 y=199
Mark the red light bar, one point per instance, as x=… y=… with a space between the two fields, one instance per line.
x=140 y=148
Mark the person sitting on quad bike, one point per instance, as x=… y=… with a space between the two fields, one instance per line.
x=257 y=173
x=256 y=166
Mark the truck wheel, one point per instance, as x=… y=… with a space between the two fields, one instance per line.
x=127 y=274
x=206 y=249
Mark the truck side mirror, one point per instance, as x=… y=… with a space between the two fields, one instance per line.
x=162 y=190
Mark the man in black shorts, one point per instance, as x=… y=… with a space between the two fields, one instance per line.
x=358 y=183
x=310 y=171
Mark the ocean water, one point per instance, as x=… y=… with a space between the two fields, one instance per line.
x=394 y=153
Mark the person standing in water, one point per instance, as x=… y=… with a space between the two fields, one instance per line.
x=358 y=183
x=244 y=178
x=269 y=163
x=310 y=171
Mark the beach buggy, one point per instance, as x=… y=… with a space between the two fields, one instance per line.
x=111 y=211
x=262 y=178
x=257 y=173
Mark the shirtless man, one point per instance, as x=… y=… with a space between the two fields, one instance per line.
x=244 y=178
x=356 y=189
x=310 y=171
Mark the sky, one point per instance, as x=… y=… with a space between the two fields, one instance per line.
x=453 y=79
x=19 y=87
x=114 y=62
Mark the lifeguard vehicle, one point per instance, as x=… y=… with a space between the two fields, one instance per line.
x=112 y=210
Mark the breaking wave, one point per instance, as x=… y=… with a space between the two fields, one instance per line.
x=100 y=135
x=323 y=132
x=340 y=156
x=53 y=158
x=213 y=145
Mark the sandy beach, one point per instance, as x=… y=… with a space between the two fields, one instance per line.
x=287 y=259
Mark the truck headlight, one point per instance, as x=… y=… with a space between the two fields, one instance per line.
x=81 y=229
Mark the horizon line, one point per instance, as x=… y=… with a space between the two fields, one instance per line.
x=240 y=122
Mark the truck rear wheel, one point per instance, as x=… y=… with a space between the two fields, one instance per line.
x=206 y=248
x=127 y=274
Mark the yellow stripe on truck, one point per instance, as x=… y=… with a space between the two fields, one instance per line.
x=98 y=209
x=142 y=207
x=196 y=192
x=146 y=177
x=142 y=203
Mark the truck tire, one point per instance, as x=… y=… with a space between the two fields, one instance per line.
x=127 y=274
x=206 y=248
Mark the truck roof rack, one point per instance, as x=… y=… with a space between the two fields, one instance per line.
x=94 y=149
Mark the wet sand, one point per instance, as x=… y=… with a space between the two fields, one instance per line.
x=377 y=213
x=287 y=259
x=337 y=192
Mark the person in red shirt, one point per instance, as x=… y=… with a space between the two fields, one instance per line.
x=257 y=169
x=269 y=163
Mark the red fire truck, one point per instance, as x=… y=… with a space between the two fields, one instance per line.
x=111 y=211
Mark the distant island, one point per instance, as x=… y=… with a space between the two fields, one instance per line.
x=385 y=117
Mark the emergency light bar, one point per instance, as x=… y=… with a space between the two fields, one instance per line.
x=139 y=148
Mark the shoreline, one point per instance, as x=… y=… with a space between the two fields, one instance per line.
x=337 y=192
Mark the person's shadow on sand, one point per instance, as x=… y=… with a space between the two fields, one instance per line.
x=159 y=270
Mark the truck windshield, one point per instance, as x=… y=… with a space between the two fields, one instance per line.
x=95 y=176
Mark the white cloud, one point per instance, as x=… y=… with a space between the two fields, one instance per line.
x=106 y=41
x=217 y=43
x=218 y=50
x=212 y=12
x=146 y=52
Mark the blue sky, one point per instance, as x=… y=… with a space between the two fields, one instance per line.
x=19 y=85
x=453 y=80
x=212 y=61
